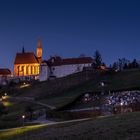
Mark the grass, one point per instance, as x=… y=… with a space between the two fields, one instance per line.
x=15 y=111
x=126 y=80
x=117 y=127
x=63 y=91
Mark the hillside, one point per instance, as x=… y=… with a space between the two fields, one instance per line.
x=118 y=127
x=62 y=91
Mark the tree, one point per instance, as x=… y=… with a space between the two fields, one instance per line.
x=122 y=62
x=135 y=64
x=98 y=58
x=125 y=66
x=115 y=66
x=103 y=64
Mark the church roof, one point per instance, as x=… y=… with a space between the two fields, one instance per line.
x=5 y=71
x=57 y=61
x=25 y=58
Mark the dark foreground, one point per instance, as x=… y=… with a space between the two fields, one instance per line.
x=117 y=127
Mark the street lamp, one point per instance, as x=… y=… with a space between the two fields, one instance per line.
x=102 y=85
x=23 y=119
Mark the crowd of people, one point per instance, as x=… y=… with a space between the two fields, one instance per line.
x=124 y=99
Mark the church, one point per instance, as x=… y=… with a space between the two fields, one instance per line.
x=27 y=64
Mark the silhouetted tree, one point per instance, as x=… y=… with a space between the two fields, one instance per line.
x=97 y=58
x=122 y=62
x=135 y=64
x=103 y=64
x=115 y=66
x=125 y=66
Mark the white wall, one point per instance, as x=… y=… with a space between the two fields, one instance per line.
x=44 y=72
x=64 y=70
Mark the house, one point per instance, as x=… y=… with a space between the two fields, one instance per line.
x=27 y=64
x=59 y=67
x=5 y=76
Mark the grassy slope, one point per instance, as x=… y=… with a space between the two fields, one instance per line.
x=58 y=92
x=13 y=118
x=118 y=81
x=118 y=127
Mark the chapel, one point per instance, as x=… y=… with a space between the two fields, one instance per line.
x=27 y=64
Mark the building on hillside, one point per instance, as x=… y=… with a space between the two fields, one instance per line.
x=5 y=76
x=44 y=71
x=27 y=64
x=58 y=67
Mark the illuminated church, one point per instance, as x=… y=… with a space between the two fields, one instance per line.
x=27 y=64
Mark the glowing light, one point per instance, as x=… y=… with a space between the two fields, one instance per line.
x=4 y=97
x=24 y=85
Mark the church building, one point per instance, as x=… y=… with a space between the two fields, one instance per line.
x=27 y=64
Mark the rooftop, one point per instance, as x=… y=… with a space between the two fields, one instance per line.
x=25 y=58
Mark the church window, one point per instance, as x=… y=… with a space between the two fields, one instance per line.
x=31 y=70
x=27 y=70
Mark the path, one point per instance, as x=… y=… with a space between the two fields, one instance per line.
x=32 y=100
x=49 y=124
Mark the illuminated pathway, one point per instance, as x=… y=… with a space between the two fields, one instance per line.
x=47 y=124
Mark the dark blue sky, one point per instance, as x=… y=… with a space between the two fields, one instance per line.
x=69 y=28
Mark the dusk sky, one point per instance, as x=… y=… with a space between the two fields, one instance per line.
x=69 y=28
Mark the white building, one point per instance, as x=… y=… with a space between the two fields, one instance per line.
x=44 y=71
x=58 y=67
x=5 y=76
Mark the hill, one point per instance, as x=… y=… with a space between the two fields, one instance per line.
x=60 y=92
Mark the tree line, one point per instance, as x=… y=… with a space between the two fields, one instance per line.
x=120 y=64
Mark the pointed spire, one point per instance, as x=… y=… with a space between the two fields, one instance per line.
x=39 y=43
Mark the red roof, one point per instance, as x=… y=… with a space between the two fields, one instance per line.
x=57 y=61
x=5 y=71
x=25 y=58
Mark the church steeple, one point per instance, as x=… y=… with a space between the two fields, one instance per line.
x=39 y=50
x=39 y=43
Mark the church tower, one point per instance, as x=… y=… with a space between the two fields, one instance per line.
x=39 y=51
